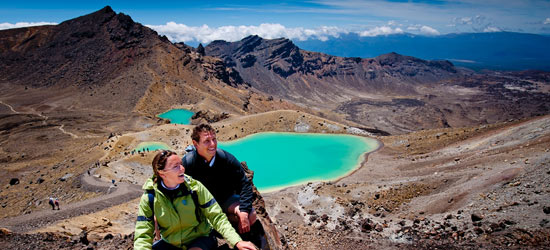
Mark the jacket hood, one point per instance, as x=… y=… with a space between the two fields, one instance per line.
x=149 y=184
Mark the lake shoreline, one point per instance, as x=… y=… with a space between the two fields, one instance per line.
x=363 y=163
x=180 y=116
x=360 y=165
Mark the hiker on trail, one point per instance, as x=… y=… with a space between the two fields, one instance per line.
x=225 y=178
x=184 y=210
x=56 y=202
x=52 y=203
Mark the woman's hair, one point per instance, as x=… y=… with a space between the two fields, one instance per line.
x=203 y=127
x=159 y=162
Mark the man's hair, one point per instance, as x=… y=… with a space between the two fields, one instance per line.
x=203 y=127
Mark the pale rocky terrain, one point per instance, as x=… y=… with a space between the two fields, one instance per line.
x=424 y=189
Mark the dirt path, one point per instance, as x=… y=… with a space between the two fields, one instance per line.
x=9 y=106
x=115 y=195
x=65 y=132
x=45 y=119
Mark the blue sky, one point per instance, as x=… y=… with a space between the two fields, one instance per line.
x=204 y=21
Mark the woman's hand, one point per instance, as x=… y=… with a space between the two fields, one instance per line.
x=246 y=245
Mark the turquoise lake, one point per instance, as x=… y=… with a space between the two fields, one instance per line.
x=285 y=159
x=178 y=116
x=152 y=146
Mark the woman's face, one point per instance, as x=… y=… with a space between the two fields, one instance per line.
x=173 y=172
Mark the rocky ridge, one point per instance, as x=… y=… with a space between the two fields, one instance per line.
x=280 y=68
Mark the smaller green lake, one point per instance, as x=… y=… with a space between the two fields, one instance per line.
x=152 y=146
x=284 y=159
x=178 y=116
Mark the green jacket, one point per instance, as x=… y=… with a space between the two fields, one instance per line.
x=176 y=219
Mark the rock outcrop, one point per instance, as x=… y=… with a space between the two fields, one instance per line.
x=207 y=116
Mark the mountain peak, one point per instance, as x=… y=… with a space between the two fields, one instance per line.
x=107 y=9
x=251 y=37
x=99 y=17
x=88 y=43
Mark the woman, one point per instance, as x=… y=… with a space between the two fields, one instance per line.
x=183 y=225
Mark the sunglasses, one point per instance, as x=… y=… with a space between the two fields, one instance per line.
x=174 y=169
x=162 y=159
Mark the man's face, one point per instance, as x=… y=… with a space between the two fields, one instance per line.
x=207 y=145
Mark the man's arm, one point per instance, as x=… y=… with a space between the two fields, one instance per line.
x=244 y=187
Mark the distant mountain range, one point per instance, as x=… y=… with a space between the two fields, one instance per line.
x=279 y=67
x=495 y=50
x=106 y=61
x=391 y=92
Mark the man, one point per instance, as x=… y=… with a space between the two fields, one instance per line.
x=224 y=177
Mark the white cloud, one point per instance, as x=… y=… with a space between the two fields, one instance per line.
x=205 y=34
x=476 y=23
x=492 y=29
x=547 y=21
x=427 y=30
x=377 y=31
x=477 y=20
x=466 y=20
x=414 y=27
x=5 y=26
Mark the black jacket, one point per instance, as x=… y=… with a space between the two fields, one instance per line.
x=225 y=178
